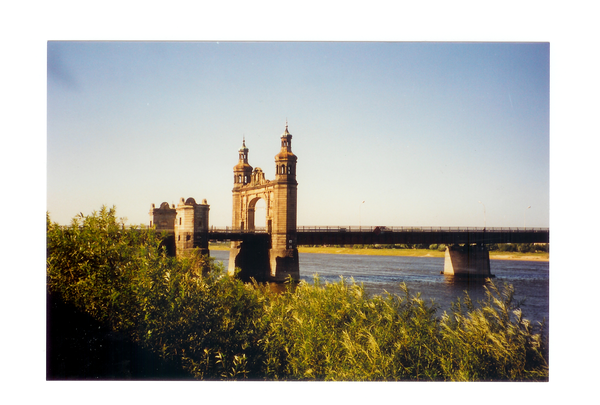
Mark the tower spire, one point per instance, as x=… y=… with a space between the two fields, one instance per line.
x=242 y=171
x=286 y=132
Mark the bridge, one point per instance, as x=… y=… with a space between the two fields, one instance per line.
x=271 y=253
x=466 y=254
x=383 y=235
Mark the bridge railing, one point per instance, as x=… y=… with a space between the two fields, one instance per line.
x=344 y=235
x=384 y=229
x=237 y=230
x=414 y=229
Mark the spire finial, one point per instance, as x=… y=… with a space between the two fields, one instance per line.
x=244 y=140
x=286 y=124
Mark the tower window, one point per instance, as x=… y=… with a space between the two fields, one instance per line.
x=179 y=221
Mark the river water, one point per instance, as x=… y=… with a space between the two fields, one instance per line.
x=530 y=279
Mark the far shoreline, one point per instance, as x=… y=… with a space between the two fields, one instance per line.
x=494 y=255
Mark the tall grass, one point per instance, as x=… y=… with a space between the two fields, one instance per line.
x=493 y=341
x=337 y=332
x=216 y=327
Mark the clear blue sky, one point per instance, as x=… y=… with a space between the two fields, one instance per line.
x=422 y=132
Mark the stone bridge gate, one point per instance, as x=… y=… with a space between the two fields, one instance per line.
x=265 y=257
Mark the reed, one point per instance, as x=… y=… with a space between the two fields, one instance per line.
x=493 y=341
x=337 y=332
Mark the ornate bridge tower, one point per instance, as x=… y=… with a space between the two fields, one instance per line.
x=186 y=225
x=274 y=258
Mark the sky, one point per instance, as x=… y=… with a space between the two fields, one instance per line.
x=425 y=133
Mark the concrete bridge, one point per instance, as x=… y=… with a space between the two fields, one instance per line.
x=336 y=235
x=466 y=251
x=271 y=254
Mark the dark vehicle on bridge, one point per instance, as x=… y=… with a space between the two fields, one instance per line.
x=381 y=229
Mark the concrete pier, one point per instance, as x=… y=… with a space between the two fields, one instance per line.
x=467 y=261
x=251 y=256
x=284 y=263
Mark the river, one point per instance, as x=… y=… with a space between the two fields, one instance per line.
x=530 y=279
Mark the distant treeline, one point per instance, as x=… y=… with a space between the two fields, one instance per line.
x=188 y=311
x=501 y=247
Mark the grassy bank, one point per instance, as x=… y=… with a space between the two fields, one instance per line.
x=494 y=255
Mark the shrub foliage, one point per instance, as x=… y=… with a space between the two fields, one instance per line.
x=190 y=311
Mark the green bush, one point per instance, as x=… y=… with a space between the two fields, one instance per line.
x=95 y=262
x=519 y=247
x=208 y=322
x=507 y=247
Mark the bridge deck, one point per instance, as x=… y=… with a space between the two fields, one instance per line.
x=397 y=235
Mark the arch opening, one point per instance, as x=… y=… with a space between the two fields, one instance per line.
x=257 y=214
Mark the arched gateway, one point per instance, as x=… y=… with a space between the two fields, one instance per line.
x=273 y=258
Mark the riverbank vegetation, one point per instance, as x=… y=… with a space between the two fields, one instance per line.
x=195 y=317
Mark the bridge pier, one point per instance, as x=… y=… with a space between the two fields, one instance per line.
x=256 y=260
x=251 y=256
x=284 y=263
x=467 y=261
